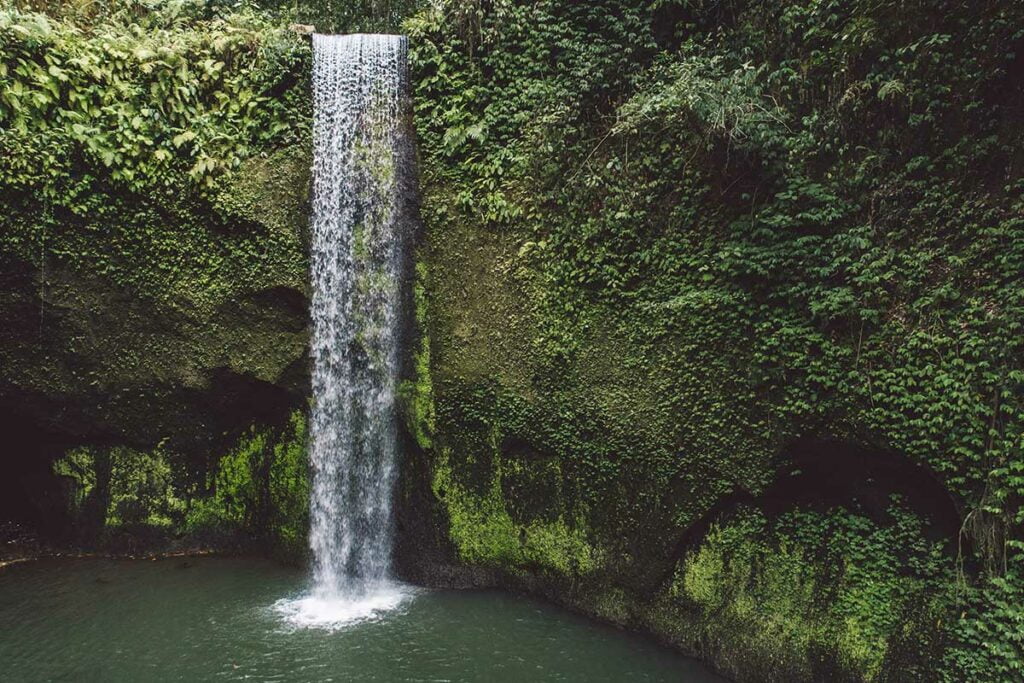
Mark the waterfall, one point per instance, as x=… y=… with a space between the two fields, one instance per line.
x=359 y=84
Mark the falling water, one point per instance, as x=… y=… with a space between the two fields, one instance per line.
x=359 y=83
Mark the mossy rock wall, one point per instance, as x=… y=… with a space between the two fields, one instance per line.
x=721 y=325
x=153 y=244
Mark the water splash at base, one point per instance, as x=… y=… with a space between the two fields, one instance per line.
x=344 y=611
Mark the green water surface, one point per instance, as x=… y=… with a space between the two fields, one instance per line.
x=210 y=619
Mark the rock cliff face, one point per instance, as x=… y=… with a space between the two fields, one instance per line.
x=710 y=320
x=750 y=559
x=91 y=361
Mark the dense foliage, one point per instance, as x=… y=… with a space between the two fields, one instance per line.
x=155 y=99
x=97 y=120
x=818 y=596
x=348 y=16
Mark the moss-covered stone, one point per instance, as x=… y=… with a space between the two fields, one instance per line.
x=155 y=267
x=417 y=394
x=659 y=262
x=484 y=532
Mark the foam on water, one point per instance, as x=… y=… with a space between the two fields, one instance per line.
x=343 y=611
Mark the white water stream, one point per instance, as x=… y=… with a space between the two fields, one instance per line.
x=359 y=83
